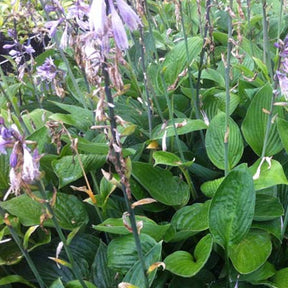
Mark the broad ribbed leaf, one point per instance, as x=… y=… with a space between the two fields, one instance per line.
x=101 y=275
x=280 y=278
x=122 y=253
x=69 y=210
x=183 y=126
x=282 y=126
x=77 y=284
x=169 y=159
x=15 y=279
x=176 y=60
x=269 y=175
x=273 y=227
x=161 y=184
x=68 y=168
x=267 y=208
x=255 y=124
x=214 y=142
x=184 y=264
x=192 y=218
x=135 y=274
x=116 y=226
x=232 y=207
x=209 y=188
x=251 y=252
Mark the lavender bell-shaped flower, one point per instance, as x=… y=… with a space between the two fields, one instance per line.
x=128 y=15
x=97 y=17
x=118 y=29
x=47 y=71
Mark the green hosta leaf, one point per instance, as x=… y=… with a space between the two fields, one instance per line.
x=122 y=253
x=214 y=142
x=282 y=126
x=77 y=284
x=176 y=60
x=255 y=124
x=169 y=159
x=213 y=102
x=192 y=218
x=183 y=126
x=273 y=227
x=101 y=275
x=280 y=278
x=262 y=67
x=161 y=184
x=135 y=274
x=4 y=175
x=213 y=75
x=251 y=252
x=266 y=271
x=184 y=264
x=10 y=253
x=41 y=137
x=57 y=284
x=232 y=207
x=269 y=175
x=209 y=188
x=267 y=208
x=15 y=279
x=79 y=117
x=36 y=119
x=116 y=226
x=68 y=169
x=69 y=211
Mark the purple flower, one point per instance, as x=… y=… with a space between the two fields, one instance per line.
x=118 y=29
x=128 y=15
x=30 y=168
x=52 y=26
x=283 y=83
x=47 y=71
x=97 y=17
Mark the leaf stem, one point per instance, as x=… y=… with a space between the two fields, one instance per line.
x=119 y=168
x=227 y=89
x=61 y=235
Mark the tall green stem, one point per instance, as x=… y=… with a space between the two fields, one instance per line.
x=117 y=162
x=227 y=88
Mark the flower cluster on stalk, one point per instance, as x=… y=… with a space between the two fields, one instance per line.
x=24 y=162
x=282 y=72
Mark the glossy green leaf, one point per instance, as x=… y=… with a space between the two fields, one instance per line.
x=68 y=169
x=169 y=159
x=214 y=142
x=183 y=126
x=267 y=208
x=135 y=274
x=273 y=227
x=116 y=226
x=15 y=279
x=184 y=264
x=78 y=117
x=36 y=119
x=251 y=252
x=57 y=284
x=176 y=60
x=265 y=271
x=122 y=253
x=255 y=124
x=69 y=211
x=192 y=218
x=101 y=275
x=4 y=175
x=213 y=75
x=280 y=278
x=209 y=188
x=77 y=284
x=282 y=126
x=161 y=184
x=269 y=175
x=232 y=207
